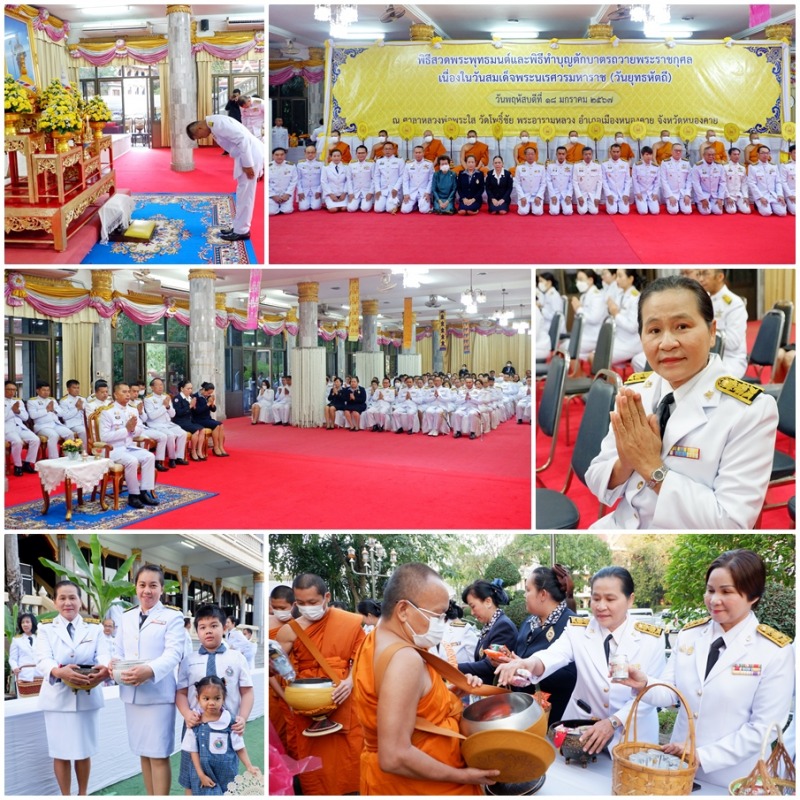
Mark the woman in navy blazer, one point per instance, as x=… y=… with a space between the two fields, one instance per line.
x=184 y=404
x=201 y=414
x=484 y=599
x=499 y=184
x=470 y=189
x=355 y=403
x=548 y=597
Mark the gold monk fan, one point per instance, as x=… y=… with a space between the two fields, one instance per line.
x=596 y=131
x=497 y=132
x=362 y=130
x=638 y=130
x=451 y=130
x=788 y=131
x=406 y=131
x=547 y=131
x=732 y=132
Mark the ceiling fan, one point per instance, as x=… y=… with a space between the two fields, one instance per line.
x=291 y=51
x=620 y=13
x=386 y=283
x=392 y=13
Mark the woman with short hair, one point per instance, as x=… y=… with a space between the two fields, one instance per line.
x=201 y=414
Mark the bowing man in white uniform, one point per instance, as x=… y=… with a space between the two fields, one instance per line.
x=764 y=186
x=690 y=447
x=151 y=632
x=18 y=433
x=70 y=716
x=118 y=426
x=617 y=183
x=247 y=153
x=730 y=314
x=624 y=310
x=645 y=181
x=589 y=643
x=21 y=656
x=336 y=183
x=160 y=412
x=417 y=181
x=737 y=675
x=72 y=405
x=676 y=187
x=46 y=415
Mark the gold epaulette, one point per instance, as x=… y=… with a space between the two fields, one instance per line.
x=64 y=397
x=776 y=637
x=727 y=299
x=580 y=621
x=175 y=608
x=741 y=390
x=91 y=620
x=638 y=377
x=634 y=292
x=46 y=621
x=458 y=623
x=696 y=624
x=646 y=627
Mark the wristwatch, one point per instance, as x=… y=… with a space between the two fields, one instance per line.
x=658 y=476
x=615 y=723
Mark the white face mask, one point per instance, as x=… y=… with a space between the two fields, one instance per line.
x=428 y=139
x=444 y=167
x=542 y=286
x=312 y=613
x=755 y=140
x=665 y=138
x=619 y=139
x=573 y=139
x=434 y=635
x=582 y=286
x=712 y=138
x=334 y=139
x=381 y=138
x=282 y=616
x=471 y=140
x=523 y=139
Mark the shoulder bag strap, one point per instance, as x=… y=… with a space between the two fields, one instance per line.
x=314 y=650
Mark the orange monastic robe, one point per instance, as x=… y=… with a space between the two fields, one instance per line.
x=433 y=150
x=440 y=707
x=519 y=153
x=662 y=152
x=481 y=153
x=338 y=636
x=625 y=152
x=377 y=149
x=575 y=153
x=720 y=156
x=280 y=713
x=344 y=149
x=751 y=154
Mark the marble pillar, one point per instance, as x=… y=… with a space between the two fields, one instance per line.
x=314 y=93
x=220 y=384
x=309 y=318
x=102 y=348
x=185 y=590
x=242 y=605
x=341 y=355
x=203 y=328
x=218 y=591
x=369 y=326
x=182 y=87
x=308 y=374
x=258 y=605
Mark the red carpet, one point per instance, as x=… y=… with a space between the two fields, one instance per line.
x=324 y=238
x=146 y=170
x=298 y=478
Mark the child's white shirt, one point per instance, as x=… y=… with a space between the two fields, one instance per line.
x=189 y=743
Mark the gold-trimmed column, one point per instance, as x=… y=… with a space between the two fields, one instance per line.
x=203 y=328
x=308 y=298
x=102 y=353
x=182 y=87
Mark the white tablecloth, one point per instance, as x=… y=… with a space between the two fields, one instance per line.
x=84 y=474
x=29 y=771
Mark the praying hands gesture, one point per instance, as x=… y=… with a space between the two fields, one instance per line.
x=131 y=423
x=638 y=439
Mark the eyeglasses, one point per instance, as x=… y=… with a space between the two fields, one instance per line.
x=441 y=617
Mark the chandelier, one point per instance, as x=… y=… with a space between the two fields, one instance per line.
x=651 y=14
x=340 y=15
x=502 y=316
x=471 y=297
x=411 y=276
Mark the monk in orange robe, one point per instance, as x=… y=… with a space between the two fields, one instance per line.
x=337 y=635
x=432 y=149
x=474 y=148
x=377 y=148
x=391 y=690
x=625 y=150
x=281 y=600
x=525 y=143
x=751 y=151
x=720 y=156
x=664 y=150
x=574 y=149
x=342 y=147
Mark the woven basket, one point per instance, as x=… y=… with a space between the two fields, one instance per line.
x=29 y=688
x=628 y=778
x=770 y=776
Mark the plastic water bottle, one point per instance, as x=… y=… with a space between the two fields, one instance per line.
x=281 y=662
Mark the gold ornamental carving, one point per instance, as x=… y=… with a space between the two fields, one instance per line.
x=92 y=167
x=102 y=284
x=219 y=303
x=45 y=165
x=196 y=274
x=179 y=10
x=258 y=577
x=19 y=224
x=308 y=292
x=73 y=159
x=600 y=30
x=10 y=145
x=369 y=307
x=777 y=32
x=420 y=32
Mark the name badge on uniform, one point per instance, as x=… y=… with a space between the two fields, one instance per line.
x=748 y=670
x=158 y=621
x=687 y=649
x=680 y=451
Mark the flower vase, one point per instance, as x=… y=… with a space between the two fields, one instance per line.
x=11 y=123
x=61 y=140
x=73 y=455
x=97 y=129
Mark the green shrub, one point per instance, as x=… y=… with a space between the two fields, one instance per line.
x=777 y=608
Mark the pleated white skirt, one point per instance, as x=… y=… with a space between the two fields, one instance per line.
x=151 y=729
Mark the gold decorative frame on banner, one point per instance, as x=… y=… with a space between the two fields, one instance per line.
x=22 y=28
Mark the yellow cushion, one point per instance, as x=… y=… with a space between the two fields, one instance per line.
x=140 y=229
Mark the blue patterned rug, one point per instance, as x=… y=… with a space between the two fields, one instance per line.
x=28 y=516
x=187 y=232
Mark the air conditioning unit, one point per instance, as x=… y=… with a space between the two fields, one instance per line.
x=244 y=23
x=116 y=29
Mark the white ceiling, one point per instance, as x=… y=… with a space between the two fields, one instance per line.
x=469 y=20
x=279 y=288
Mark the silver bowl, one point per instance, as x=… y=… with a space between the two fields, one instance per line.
x=512 y=711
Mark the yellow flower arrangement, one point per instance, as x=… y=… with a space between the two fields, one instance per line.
x=60 y=115
x=72 y=446
x=16 y=98
x=97 y=110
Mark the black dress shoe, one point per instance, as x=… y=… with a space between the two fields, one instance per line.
x=28 y=467
x=172 y=463
x=473 y=436
x=457 y=435
x=147 y=498
x=134 y=501
x=17 y=472
x=226 y=231
x=399 y=430
x=181 y=462
x=519 y=422
x=234 y=237
x=161 y=468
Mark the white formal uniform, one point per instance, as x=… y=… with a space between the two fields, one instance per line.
x=380 y=408
x=731 y=316
x=159 y=420
x=72 y=416
x=587 y=180
x=113 y=431
x=280 y=135
x=70 y=717
x=156 y=435
x=18 y=433
x=627 y=342
x=388 y=177
x=594 y=310
x=582 y=642
x=530 y=182
x=434 y=418
x=22 y=654
x=458 y=643
x=150 y=707
x=282 y=406
x=266 y=397
x=708 y=183
x=735 y=188
x=763 y=183
x=417 y=180
x=719 y=451
x=559 y=188
x=676 y=184
x=48 y=423
x=786 y=175
x=282 y=181
x=404 y=412
x=309 y=184
x=237 y=641
x=617 y=185
x=246 y=150
x=523 y=404
x=748 y=689
x=542 y=335
x=646 y=181
x=551 y=304
x=363 y=178
x=466 y=418
x=336 y=181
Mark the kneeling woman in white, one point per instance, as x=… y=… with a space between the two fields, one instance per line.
x=70 y=717
x=153 y=632
x=737 y=675
x=590 y=644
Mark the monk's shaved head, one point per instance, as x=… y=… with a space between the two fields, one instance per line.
x=407 y=581
x=284 y=593
x=310 y=581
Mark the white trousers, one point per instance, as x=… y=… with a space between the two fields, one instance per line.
x=405 y=416
x=564 y=207
x=418 y=199
x=617 y=205
x=647 y=204
x=681 y=205
x=589 y=206
x=360 y=201
x=245 y=202
x=377 y=414
x=264 y=412
x=790 y=205
x=274 y=208
x=466 y=420
x=331 y=203
x=524 y=408
x=53 y=433
x=77 y=428
x=434 y=420
x=170 y=438
x=386 y=202
x=310 y=202
x=739 y=204
x=768 y=209
x=131 y=459
x=282 y=412
x=18 y=437
x=530 y=207
x=713 y=208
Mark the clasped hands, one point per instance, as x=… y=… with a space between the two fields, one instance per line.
x=637 y=436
